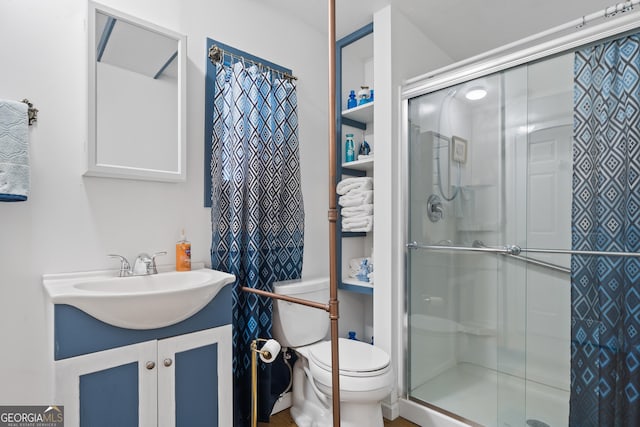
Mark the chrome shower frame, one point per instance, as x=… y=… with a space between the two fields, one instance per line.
x=549 y=43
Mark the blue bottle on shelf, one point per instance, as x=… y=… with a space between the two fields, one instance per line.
x=352 y=102
x=349 y=149
x=352 y=335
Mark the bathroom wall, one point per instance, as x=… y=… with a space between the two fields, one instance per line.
x=71 y=222
x=401 y=51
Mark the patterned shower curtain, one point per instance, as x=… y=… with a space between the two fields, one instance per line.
x=257 y=210
x=605 y=291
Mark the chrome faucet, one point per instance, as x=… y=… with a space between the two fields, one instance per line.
x=125 y=267
x=144 y=265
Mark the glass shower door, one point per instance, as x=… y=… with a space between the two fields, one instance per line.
x=488 y=332
x=466 y=307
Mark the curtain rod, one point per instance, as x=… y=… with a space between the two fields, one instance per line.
x=579 y=23
x=216 y=55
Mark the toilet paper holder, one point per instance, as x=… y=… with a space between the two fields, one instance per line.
x=268 y=352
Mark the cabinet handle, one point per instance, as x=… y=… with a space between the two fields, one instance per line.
x=150 y=365
x=168 y=362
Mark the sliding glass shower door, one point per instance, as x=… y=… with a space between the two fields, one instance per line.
x=490 y=171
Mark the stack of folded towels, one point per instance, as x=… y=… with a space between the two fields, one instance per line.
x=356 y=200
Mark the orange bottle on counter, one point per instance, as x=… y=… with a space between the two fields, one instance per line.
x=183 y=254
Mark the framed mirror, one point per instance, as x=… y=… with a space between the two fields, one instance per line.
x=137 y=98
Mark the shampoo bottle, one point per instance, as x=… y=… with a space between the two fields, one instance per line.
x=349 y=149
x=183 y=254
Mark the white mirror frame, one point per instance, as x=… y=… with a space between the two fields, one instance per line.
x=120 y=171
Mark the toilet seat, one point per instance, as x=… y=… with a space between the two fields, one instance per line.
x=357 y=359
x=367 y=368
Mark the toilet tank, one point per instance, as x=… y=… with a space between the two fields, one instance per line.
x=295 y=325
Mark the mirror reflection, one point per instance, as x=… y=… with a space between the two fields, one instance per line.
x=137 y=84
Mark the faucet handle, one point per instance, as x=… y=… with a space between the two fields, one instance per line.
x=142 y=266
x=125 y=267
x=153 y=260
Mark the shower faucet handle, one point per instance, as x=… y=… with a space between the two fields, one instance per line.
x=435 y=210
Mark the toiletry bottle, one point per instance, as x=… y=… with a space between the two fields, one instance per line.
x=352 y=102
x=349 y=149
x=364 y=149
x=363 y=95
x=183 y=254
x=371 y=95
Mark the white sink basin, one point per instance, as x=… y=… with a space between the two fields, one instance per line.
x=138 y=302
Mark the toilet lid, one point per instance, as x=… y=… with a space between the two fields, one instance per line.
x=355 y=356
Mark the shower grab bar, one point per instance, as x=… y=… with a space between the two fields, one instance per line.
x=517 y=250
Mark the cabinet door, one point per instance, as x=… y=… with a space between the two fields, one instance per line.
x=110 y=388
x=194 y=379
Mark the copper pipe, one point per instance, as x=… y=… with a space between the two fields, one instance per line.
x=333 y=217
x=301 y=301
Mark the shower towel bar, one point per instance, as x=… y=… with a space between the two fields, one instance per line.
x=535 y=261
x=541 y=263
x=478 y=246
x=516 y=250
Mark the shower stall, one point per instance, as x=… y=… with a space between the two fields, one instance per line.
x=489 y=331
x=488 y=274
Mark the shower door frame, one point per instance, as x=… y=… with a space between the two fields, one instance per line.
x=627 y=23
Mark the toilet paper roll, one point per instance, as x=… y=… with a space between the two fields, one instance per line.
x=269 y=351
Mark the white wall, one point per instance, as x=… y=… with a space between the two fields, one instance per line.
x=71 y=222
x=401 y=51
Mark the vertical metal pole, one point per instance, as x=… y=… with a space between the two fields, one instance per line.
x=254 y=384
x=333 y=217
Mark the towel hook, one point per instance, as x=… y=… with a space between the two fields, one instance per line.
x=32 y=112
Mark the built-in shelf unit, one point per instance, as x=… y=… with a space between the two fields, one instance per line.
x=354 y=68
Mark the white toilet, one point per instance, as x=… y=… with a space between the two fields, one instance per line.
x=366 y=376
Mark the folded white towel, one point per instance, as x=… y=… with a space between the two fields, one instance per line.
x=366 y=229
x=356 y=198
x=360 y=224
x=355 y=211
x=358 y=183
x=14 y=152
x=357 y=221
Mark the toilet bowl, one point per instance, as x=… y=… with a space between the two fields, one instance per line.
x=366 y=376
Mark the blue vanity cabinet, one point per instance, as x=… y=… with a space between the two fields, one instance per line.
x=194 y=379
x=182 y=381
x=176 y=376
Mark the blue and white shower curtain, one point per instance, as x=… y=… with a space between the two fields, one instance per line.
x=257 y=209
x=605 y=291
